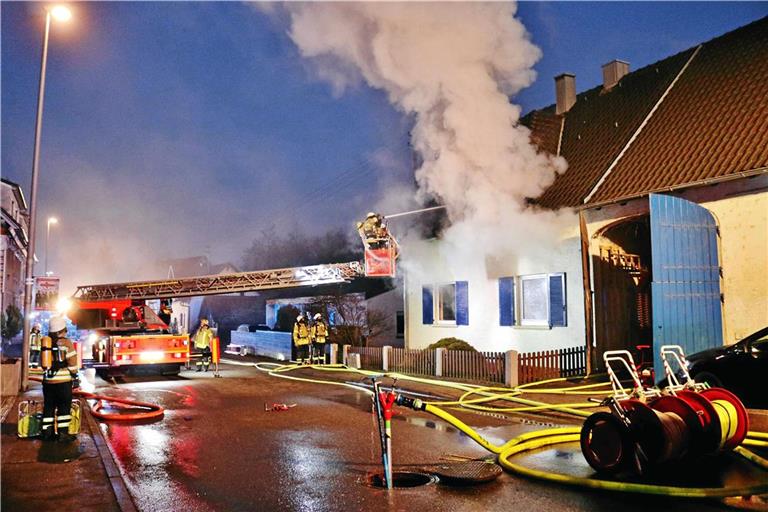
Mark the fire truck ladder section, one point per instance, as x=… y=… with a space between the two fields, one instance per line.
x=225 y=283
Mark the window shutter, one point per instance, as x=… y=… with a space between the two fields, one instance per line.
x=462 y=303
x=557 y=304
x=507 y=301
x=427 y=310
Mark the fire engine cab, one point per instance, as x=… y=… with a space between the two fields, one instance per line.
x=120 y=336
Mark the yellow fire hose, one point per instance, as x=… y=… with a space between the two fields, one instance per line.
x=541 y=438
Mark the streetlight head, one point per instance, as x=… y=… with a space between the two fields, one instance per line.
x=61 y=13
x=53 y=220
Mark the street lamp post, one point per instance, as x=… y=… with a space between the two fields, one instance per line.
x=60 y=13
x=51 y=220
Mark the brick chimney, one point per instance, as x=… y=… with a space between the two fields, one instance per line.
x=565 y=92
x=613 y=71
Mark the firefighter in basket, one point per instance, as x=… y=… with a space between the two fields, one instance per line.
x=59 y=362
x=373 y=231
x=318 y=334
x=301 y=340
x=202 y=341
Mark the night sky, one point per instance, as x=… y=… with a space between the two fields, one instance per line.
x=180 y=129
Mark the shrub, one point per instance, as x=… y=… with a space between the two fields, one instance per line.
x=453 y=344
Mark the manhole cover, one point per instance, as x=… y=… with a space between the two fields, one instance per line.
x=400 y=479
x=467 y=473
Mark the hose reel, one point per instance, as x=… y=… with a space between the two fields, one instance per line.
x=648 y=428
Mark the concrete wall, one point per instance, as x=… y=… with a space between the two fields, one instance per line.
x=484 y=331
x=740 y=208
x=274 y=344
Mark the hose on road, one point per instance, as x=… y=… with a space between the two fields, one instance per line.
x=538 y=439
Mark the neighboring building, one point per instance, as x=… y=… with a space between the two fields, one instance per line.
x=13 y=244
x=668 y=169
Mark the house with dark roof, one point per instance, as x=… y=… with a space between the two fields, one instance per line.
x=668 y=172
x=14 y=242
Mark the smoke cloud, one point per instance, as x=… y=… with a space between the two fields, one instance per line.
x=453 y=68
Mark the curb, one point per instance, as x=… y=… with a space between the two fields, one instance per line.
x=123 y=497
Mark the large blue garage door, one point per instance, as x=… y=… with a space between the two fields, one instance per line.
x=686 y=277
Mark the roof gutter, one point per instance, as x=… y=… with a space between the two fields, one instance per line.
x=640 y=128
x=673 y=188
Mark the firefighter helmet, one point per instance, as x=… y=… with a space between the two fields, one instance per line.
x=318 y=316
x=57 y=324
x=203 y=321
x=300 y=318
x=370 y=215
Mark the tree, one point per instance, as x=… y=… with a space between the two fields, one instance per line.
x=355 y=322
x=273 y=249
x=12 y=322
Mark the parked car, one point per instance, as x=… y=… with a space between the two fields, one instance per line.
x=741 y=368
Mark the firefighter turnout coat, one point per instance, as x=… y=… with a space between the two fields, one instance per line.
x=300 y=334
x=62 y=364
x=203 y=338
x=319 y=332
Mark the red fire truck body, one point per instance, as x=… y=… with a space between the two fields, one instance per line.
x=122 y=335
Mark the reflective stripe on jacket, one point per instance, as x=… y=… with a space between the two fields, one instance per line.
x=300 y=334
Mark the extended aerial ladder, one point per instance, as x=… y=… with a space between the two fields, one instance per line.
x=313 y=275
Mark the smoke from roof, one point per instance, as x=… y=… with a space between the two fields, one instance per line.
x=453 y=67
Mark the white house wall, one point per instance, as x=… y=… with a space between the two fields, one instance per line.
x=484 y=332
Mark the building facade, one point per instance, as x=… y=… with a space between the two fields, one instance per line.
x=668 y=173
x=13 y=244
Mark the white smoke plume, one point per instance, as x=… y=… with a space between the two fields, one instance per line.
x=453 y=68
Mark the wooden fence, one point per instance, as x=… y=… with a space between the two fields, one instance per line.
x=474 y=366
x=551 y=364
x=370 y=357
x=420 y=362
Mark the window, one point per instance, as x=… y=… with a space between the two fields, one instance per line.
x=446 y=302
x=400 y=325
x=543 y=300
x=450 y=306
x=535 y=303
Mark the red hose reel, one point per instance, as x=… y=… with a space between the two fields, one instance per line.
x=647 y=429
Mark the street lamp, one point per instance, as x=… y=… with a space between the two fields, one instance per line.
x=51 y=220
x=60 y=13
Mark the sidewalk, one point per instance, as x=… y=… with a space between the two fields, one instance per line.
x=39 y=476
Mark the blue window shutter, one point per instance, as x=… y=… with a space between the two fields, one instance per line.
x=426 y=305
x=462 y=303
x=557 y=304
x=507 y=301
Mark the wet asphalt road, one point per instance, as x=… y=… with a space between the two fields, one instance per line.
x=217 y=449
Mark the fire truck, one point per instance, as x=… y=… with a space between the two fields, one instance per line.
x=123 y=336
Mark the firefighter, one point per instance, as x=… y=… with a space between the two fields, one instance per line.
x=374 y=231
x=59 y=360
x=202 y=339
x=35 y=336
x=301 y=339
x=319 y=335
x=165 y=312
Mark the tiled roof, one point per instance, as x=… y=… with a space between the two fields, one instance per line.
x=713 y=122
